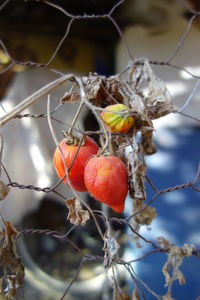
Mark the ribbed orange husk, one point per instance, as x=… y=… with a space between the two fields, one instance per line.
x=106 y=179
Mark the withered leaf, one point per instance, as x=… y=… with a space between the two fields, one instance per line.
x=76 y=215
x=110 y=248
x=175 y=258
x=159 y=101
x=146 y=216
x=93 y=84
x=4 y=190
x=70 y=97
x=136 y=172
x=102 y=91
x=155 y=96
x=11 y=262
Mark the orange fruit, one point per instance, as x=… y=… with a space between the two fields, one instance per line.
x=76 y=173
x=106 y=179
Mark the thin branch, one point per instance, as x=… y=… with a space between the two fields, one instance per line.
x=34 y=97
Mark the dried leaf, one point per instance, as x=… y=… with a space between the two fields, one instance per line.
x=76 y=215
x=164 y=243
x=137 y=104
x=147 y=145
x=110 y=249
x=102 y=91
x=155 y=95
x=146 y=216
x=70 y=97
x=4 y=190
x=159 y=101
x=93 y=86
x=174 y=260
x=13 y=269
x=136 y=172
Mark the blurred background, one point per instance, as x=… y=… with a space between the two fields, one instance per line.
x=39 y=37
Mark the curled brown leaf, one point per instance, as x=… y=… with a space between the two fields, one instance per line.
x=146 y=216
x=4 y=190
x=76 y=215
x=175 y=258
x=70 y=97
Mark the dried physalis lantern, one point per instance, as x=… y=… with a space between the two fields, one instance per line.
x=74 y=157
x=106 y=179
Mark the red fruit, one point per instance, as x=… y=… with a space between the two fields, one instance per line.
x=106 y=179
x=76 y=173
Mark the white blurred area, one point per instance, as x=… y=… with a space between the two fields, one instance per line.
x=28 y=144
x=157 y=41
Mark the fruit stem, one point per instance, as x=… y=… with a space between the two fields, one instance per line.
x=75 y=118
x=111 y=147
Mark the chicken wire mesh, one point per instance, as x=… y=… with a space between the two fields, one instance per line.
x=73 y=246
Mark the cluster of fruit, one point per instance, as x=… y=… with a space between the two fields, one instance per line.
x=104 y=177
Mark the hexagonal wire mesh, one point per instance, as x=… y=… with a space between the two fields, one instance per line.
x=67 y=244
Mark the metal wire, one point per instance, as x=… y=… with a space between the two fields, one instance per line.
x=107 y=236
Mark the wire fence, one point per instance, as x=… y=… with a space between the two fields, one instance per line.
x=138 y=87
